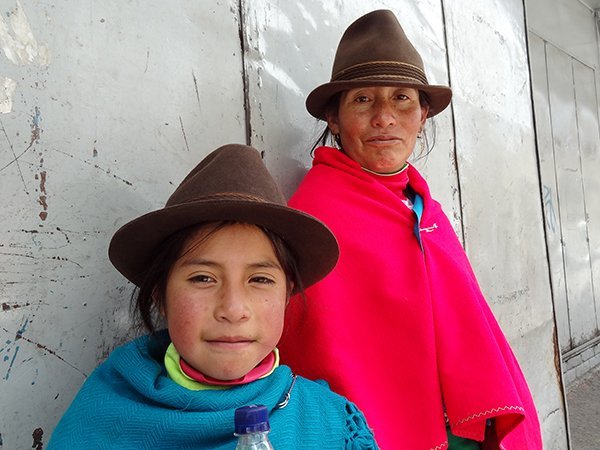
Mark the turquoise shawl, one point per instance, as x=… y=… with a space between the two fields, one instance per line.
x=129 y=402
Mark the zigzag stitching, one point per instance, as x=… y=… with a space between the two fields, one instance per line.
x=442 y=446
x=490 y=411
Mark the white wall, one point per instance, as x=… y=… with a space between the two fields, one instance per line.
x=114 y=102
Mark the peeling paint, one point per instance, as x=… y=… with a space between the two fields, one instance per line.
x=7 y=88
x=42 y=198
x=18 y=42
x=38 y=435
x=12 y=362
x=36 y=118
x=8 y=307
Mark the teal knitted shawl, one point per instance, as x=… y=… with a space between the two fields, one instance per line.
x=129 y=402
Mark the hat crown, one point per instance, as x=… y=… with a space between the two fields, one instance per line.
x=232 y=171
x=375 y=51
x=376 y=45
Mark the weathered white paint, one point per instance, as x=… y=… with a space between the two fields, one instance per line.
x=137 y=92
x=566 y=76
x=7 y=88
x=18 y=41
x=543 y=123
x=501 y=207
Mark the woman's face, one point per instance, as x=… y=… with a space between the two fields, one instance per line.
x=225 y=301
x=378 y=125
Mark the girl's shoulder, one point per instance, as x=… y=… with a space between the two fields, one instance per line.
x=320 y=404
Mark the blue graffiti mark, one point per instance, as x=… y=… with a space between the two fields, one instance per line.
x=549 y=209
x=37 y=117
x=21 y=331
x=10 y=366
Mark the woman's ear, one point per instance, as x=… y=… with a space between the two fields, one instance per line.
x=332 y=123
x=424 y=112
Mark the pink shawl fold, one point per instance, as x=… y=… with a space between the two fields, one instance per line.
x=404 y=333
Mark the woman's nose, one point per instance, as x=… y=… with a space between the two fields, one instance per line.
x=384 y=114
x=232 y=305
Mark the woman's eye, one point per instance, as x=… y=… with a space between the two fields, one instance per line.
x=361 y=99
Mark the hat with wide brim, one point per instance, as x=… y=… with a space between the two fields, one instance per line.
x=230 y=184
x=374 y=51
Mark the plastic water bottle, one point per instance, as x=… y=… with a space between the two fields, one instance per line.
x=252 y=428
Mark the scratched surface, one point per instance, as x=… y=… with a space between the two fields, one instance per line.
x=498 y=178
x=495 y=147
x=109 y=105
x=105 y=106
x=566 y=79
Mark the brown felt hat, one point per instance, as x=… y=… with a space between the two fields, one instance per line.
x=374 y=51
x=231 y=183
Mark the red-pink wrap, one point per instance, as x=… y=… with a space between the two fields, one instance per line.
x=402 y=331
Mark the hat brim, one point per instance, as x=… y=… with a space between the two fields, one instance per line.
x=134 y=244
x=316 y=102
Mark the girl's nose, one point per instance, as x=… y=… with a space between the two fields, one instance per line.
x=232 y=305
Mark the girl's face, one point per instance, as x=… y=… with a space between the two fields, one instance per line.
x=378 y=125
x=225 y=301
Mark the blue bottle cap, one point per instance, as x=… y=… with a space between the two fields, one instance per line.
x=251 y=419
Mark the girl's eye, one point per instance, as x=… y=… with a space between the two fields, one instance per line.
x=262 y=280
x=202 y=279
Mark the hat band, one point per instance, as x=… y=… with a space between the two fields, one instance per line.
x=382 y=70
x=220 y=196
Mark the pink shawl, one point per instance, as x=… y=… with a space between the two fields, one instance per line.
x=401 y=331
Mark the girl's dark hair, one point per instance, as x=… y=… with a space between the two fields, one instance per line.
x=327 y=138
x=148 y=300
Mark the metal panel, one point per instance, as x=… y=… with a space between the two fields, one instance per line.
x=571 y=196
x=291 y=47
x=105 y=105
x=111 y=104
x=589 y=153
x=567 y=24
x=498 y=173
x=545 y=145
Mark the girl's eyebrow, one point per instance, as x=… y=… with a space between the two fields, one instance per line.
x=265 y=264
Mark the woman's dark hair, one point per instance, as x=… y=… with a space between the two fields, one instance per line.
x=327 y=138
x=148 y=300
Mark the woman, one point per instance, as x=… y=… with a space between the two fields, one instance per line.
x=400 y=326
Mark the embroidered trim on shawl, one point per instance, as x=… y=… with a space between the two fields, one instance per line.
x=489 y=412
x=442 y=446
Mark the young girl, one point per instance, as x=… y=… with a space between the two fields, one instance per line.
x=217 y=266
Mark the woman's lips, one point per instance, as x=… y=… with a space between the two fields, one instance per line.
x=383 y=139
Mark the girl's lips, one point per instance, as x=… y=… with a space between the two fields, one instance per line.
x=230 y=342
